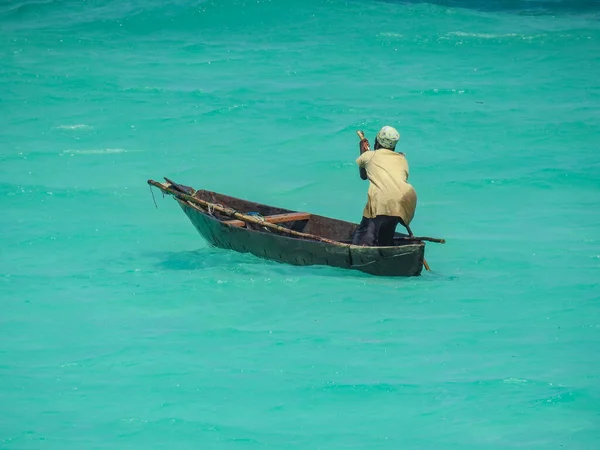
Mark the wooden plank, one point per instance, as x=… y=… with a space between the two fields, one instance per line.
x=275 y=218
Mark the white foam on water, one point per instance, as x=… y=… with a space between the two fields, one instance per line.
x=493 y=36
x=514 y=381
x=78 y=126
x=106 y=151
x=391 y=35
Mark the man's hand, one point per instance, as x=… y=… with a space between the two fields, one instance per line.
x=364 y=146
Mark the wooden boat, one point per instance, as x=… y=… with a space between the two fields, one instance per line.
x=291 y=237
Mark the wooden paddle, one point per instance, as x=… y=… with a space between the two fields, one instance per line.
x=362 y=137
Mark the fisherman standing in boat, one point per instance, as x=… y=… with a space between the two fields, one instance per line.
x=391 y=199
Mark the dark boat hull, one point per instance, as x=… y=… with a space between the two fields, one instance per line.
x=401 y=260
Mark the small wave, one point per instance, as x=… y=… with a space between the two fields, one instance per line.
x=437 y=91
x=226 y=109
x=514 y=381
x=391 y=35
x=493 y=36
x=105 y=151
x=79 y=126
x=143 y=89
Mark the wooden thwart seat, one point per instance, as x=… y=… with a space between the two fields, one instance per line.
x=275 y=218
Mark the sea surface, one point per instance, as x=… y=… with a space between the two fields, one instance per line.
x=120 y=328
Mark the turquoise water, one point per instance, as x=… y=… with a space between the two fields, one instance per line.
x=121 y=329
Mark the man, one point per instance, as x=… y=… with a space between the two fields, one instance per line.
x=391 y=199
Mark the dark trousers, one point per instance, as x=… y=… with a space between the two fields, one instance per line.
x=376 y=232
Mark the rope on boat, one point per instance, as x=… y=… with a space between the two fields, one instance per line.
x=152 y=192
x=211 y=208
x=258 y=215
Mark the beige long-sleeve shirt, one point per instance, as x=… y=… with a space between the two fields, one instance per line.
x=389 y=192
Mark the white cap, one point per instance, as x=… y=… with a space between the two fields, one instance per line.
x=388 y=137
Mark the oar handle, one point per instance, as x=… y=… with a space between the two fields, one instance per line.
x=362 y=137
x=428 y=239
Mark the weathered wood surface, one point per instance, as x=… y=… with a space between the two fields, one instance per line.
x=334 y=249
x=227 y=211
x=223 y=211
x=404 y=260
x=275 y=218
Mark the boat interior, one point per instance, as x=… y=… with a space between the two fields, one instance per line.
x=334 y=229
